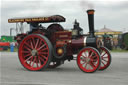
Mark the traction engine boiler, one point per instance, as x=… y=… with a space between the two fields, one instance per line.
x=49 y=47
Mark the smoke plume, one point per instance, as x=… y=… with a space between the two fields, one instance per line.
x=85 y=4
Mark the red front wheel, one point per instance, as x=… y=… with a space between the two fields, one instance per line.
x=35 y=52
x=88 y=59
x=105 y=58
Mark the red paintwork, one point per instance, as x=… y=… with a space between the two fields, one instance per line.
x=105 y=58
x=20 y=37
x=38 y=32
x=69 y=49
x=26 y=57
x=86 y=61
x=77 y=43
x=63 y=35
x=54 y=37
x=64 y=38
x=60 y=43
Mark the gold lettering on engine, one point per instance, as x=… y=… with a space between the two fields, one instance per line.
x=63 y=36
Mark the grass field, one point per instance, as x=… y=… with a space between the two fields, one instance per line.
x=15 y=50
x=119 y=50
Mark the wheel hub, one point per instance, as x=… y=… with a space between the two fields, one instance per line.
x=34 y=52
x=88 y=60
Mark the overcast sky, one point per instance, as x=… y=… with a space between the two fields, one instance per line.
x=112 y=13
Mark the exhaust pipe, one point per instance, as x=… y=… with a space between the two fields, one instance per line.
x=91 y=22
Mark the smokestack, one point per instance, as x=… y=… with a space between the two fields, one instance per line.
x=91 y=22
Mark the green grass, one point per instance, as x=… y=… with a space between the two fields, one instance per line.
x=119 y=50
x=15 y=50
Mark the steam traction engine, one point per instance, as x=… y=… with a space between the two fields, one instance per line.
x=49 y=47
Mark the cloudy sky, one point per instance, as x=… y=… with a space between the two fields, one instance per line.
x=112 y=13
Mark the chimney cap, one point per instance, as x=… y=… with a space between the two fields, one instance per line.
x=90 y=11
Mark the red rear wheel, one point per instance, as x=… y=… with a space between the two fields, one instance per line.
x=35 y=52
x=88 y=59
x=105 y=58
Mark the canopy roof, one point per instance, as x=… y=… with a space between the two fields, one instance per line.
x=107 y=31
x=46 y=19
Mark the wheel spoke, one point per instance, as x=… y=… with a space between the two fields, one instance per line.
x=37 y=44
x=30 y=61
x=85 y=54
x=86 y=65
x=27 y=48
x=25 y=52
x=103 y=54
x=103 y=63
x=33 y=40
x=31 y=45
x=105 y=57
x=92 y=65
x=41 y=59
x=27 y=55
x=93 y=58
x=43 y=56
x=34 y=61
x=82 y=59
x=43 y=52
x=37 y=62
x=27 y=44
x=90 y=55
x=28 y=58
x=83 y=63
x=41 y=47
x=104 y=60
x=44 y=49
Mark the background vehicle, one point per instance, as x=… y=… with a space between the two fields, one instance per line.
x=4 y=45
x=49 y=47
x=123 y=41
x=6 y=41
x=107 y=40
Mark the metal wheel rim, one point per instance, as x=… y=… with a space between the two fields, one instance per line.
x=28 y=58
x=105 y=58
x=84 y=64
